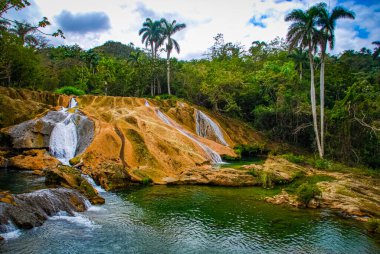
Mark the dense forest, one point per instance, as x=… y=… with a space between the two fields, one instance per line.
x=266 y=85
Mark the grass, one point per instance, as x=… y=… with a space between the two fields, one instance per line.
x=301 y=179
x=240 y=163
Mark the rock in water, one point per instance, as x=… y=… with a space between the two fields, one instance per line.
x=32 y=209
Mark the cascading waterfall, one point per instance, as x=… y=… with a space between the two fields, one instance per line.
x=204 y=125
x=214 y=156
x=92 y=182
x=147 y=103
x=73 y=103
x=64 y=138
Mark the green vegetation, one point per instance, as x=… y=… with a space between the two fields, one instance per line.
x=266 y=85
x=373 y=225
x=307 y=191
x=146 y=181
x=298 y=159
x=70 y=90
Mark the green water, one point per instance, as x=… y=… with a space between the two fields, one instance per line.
x=194 y=219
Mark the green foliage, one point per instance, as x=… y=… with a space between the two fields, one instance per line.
x=146 y=181
x=307 y=191
x=298 y=159
x=250 y=150
x=321 y=164
x=70 y=90
x=373 y=225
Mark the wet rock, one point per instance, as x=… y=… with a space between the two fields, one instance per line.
x=32 y=209
x=211 y=176
x=72 y=178
x=35 y=159
x=284 y=198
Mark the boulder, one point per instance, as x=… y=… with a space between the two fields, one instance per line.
x=32 y=209
x=35 y=159
x=214 y=176
x=72 y=178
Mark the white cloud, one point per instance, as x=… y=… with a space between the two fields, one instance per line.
x=205 y=19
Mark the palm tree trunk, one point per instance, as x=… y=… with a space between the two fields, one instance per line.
x=153 y=80
x=322 y=98
x=168 y=71
x=314 y=104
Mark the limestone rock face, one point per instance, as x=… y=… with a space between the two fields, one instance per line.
x=19 y=105
x=35 y=133
x=35 y=159
x=214 y=176
x=32 y=209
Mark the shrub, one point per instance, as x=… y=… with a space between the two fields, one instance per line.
x=321 y=164
x=70 y=90
x=373 y=225
x=307 y=192
x=294 y=158
x=146 y=181
x=251 y=150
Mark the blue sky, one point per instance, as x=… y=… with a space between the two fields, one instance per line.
x=90 y=23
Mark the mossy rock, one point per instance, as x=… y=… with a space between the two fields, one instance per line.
x=75 y=160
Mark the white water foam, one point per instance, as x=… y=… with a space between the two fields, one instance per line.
x=147 y=103
x=204 y=124
x=12 y=232
x=214 y=156
x=73 y=103
x=63 y=140
x=92 y=182
x=77 y=219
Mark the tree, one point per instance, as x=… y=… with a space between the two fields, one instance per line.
x=152 y=35
x=376 y=51
x=302 y=33
x=327 y=22
x=299 y=57
x=169 y=29
x=25 y=32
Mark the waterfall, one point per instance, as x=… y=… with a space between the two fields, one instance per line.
x=73 y=103
x=206 y=127
x=214 y=156
x=147 y=103
x=92 y=182
x=64 y=138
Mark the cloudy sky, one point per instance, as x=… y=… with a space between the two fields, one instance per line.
x=90 y=23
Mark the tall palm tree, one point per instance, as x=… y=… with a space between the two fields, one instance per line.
x=376 y=51
x=327 y=21
x=302 y=33
x=300 y=59
x=168 y=30
x=25 y=32
x=152 y=35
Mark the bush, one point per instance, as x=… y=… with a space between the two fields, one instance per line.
x=251 y=150
x=373 y=225
x=70 y=90
x=294 y=158
x=307 y=192
x=321 y=164
x=146 y=181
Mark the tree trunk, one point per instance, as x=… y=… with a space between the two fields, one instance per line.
x=168 y=71
x=152 y=84
x=322 y=102
x=301 y=72
x=314 y=104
